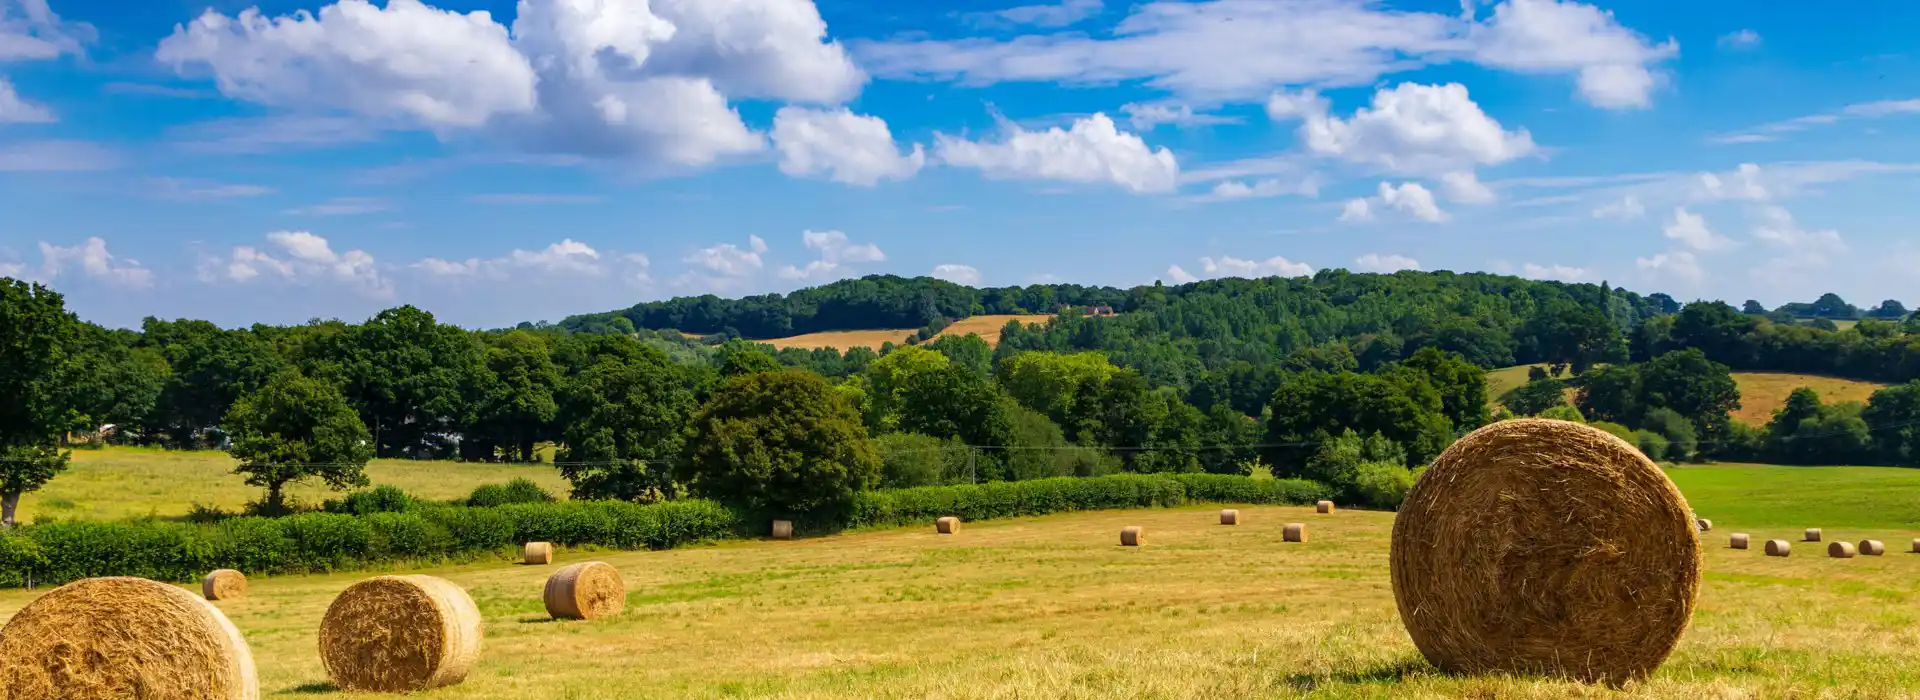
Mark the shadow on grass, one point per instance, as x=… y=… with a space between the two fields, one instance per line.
x=1386 y=673
x=310 y=689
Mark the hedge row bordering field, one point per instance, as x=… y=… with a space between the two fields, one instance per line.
x=57 y=552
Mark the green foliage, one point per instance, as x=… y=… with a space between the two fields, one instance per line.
x=1398 y=405
x=1615 y=429
x=379 y=499
x=1065 y=387
x=968 y=351
x=1382 y=484
x=1698 y=388
x=1683 y=443
x=1007 y=499
x=37 y=336
x=622 y=418
x=294 y=429
x=1563 y=412
x=517 y=407
x=783 y=442
x=408 y=375
x=1462 y=385
x=521 y=490
x=909 y=460
x=888 y=377
x=1893 y=414
x=738 y=357
x=1611 y=394
x=1535 y=397
x=1344 y=462
x=1652 y=444
x=1806 y=431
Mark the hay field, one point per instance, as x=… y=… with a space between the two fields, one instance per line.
x=988 y=328
x=119 y=482
x=1052 y=607
x=1762 y=393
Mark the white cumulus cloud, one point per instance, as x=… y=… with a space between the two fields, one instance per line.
x=1564 y=273
x=1742 y=39
x=1464 y=186
x=1093 y=150
x=957 y=274
x=836 y=254
x=1413 y=129
x=1678 y=265
x=14 y=110
x=1691 y=230
x=91 y=260
x=729 y=260
x=1413 y=199
x=1229 y=266
x=1357 y=210
x=843 y=146
x=1629 y=207
x=300 y=257
x=1615 y=65
x=569 y=258
x=1385 y=264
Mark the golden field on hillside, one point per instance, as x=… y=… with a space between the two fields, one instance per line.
x=987 y=327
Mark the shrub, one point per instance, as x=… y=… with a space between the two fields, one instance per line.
x=1651 y=444
x=1382 y=484
x=909 y=460
x=520 y=490
x=783 y=442
x=1682 y=439
x=1001 y=499
x=1563 y=412
x=380 y=499
x=1616 y=430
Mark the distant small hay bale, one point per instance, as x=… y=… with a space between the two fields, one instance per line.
x=1738 y=540
x=1132 y=535
x=587 y=591
x=123 y=637
x=1705 y=524
x=1323 y=507
x=1916 y=545
x=1294 y=532
x=224 y=584
x=1779 y=548
x=1545 y=547
x=783 y=529
x=1229 y=517
x=947 y=526
x=1841 y=550
x=1873 y=548
x=1813 y=534
x=390 y=634
x=538 y=553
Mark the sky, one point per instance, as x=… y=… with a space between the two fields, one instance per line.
x=497 y=162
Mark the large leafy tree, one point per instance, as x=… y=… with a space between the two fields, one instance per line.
x=516 y=408
x=1312 y=407
x=1893 y=415
x=36 y=336
x=1065 y=387
x=783 y=442
x=1462 y=385
x=408 y=376
x=293 y=429
x=1611 y=394
x=210 y=369
x=621 y=423
x=1698 y=388
x=954 y=402
x=888 y=377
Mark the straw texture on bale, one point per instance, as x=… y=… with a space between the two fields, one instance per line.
x=393 y=634
x=1323 y=507
x=1873 y=548
x=1705 y=524
x=538 y=553
x=1841 y=550
x=1294 y=532
x=124 y=637
x=1546 y=547
x=1779 y=548
x=1738 y=540
x=1916 y=545
x=224 y=584
x=947 y=526
x=783 y=529
x=1813 y=534
x=1132 y=535
x=1229 y=517
x=587 y=591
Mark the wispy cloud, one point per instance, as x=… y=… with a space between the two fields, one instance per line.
x=1775 y=130
x=535 y=198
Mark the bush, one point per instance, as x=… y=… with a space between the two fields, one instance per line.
x=1651 y=444
x=520 y=490
x=1682 y=440
x=1382 y=484
x=380 y=499
x=910 y=460
x=1616 y=430
x=1563 y=412
x=1003 y=499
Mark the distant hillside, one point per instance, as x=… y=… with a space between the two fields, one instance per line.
x=1761 y=393
x=988 y=327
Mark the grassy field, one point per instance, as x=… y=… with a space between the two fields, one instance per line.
x=1762 y=393
x=988 y=328
x=1051 y=608
x=119 y=482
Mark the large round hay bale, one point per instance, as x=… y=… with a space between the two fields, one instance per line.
x=537 y=553
x=1229 y=517
x=1705 y=524
x=1873 y=548
x=1294 y=532
x=1779 y=548
x=224 y=584
x=1545 y=547
x=1323 y=507
x=392 y=634
x=783 y=529
x=1132 y=536
x=1841 y=550
x=1737 y=541
x=587 y=591
x=1813 y=534
x=124 y=637
x=947 y=526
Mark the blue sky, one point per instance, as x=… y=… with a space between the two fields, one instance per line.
x=495 y=162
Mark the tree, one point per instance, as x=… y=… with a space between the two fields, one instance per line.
x=968 y=351
x=1575 y=335
x=1611 y=394
x=517 y=408
x=1408 y=413
x=1891 y=310
x=1698 y=388
x=1893 y=416
x=621 y=421
x=739 y=357
x=908 y=460
x=1065 y=387
x=1715 y=329
x=411 y=378
x=294 y=429
x=954 y=403
x=1753 y=308
x=781 y=442
x=888 y=376
x=1534 y=397
x=36 y=336
x=1462 y=385
x=210 y=368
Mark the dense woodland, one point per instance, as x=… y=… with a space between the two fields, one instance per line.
x=1353 y=380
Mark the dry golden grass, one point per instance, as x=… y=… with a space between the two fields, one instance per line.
x=1053 y=607
x=987 y=327
x=1762 y=393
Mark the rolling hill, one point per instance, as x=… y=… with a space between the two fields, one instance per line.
x=1761 y=393
x=988 y=327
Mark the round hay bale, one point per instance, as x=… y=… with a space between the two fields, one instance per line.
x=1841 y=550
x=947 y=525
x=1813 y=534
x=224 y=584
x=1779 y=548
x=1737 y=541
x=1916 y=545
x=783 y=529
x=1323 y=507
x=391 y=634
x=587 y=591
x=1229 y=517
x=123 y=637
x=1545 y=547
x=1705 y=524
x=1873 y=548
x=538 y=553
x=1294 y=532
x=1132 y=535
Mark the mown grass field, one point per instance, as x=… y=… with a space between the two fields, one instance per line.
x=1051 y=607
x=119 y=482
x=987 y=327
